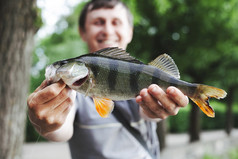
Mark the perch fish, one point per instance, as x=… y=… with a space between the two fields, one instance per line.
x=112 y=74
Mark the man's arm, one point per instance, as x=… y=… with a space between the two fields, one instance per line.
x=65 y=132
x=157 y=103
x=50 y=110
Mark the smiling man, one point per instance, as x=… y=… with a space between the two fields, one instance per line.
x=59 y=114
x=106 y=28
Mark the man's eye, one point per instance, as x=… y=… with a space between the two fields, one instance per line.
x=98 y=22
x=116 y=22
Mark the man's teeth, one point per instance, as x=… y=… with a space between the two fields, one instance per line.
x=108 y=42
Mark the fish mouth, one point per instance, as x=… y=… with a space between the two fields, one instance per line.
x=80 y=81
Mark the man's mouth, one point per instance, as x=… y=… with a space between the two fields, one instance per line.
x=108 y=42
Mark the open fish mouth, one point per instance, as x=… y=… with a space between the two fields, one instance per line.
x=80 y=81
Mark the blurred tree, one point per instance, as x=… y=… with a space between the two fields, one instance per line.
x=229 y=116
x=18 y=23
x=200 y=35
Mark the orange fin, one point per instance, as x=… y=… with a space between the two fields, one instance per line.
x=104 y=106
x=202 y=95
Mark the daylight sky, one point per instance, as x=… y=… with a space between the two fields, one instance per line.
x=52 y=10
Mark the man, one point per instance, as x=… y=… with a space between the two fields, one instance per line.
x=58 y=114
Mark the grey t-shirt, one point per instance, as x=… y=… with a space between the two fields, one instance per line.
x=99 y=138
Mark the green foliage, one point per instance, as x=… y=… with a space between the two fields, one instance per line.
x=31 y=134
x=38 y=20
x=231 y=154
x=199 y=35
x=207 y=156
x=179 y=123
x=64 y=43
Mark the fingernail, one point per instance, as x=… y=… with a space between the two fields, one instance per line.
x=153 y=90
x=171 y=91
x=138 y=99
x=144 y=94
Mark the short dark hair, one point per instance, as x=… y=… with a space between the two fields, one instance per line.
x=97 y=4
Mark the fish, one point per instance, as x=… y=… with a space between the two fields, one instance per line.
x=112 y=74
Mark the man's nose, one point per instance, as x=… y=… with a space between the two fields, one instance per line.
x=109 y=28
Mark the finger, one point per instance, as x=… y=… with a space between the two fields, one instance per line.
x=147 y=98
x=66 y=105
x=151 y=114
x=49 y=92
x=169 y=105
x=31 y=96
x=60 y=98
x=177 y=96
x=63 y=110
x=148 y=112
x=150 y=104
x=138 y=99
x=43 y=85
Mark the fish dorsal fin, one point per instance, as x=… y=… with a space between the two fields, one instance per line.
x=165 y=63
x=117 y=53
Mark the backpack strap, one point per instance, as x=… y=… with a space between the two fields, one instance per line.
x=120 y=117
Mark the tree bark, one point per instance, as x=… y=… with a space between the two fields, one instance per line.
x=229 y=116
x=194 y=123
x=16 y=32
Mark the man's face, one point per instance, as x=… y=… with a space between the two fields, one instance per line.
x=107 y=28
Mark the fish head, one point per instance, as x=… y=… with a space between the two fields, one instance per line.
x=73 y=73
x=50 y=73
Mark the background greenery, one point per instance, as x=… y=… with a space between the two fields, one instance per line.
x=231 y=154
x=200 y=35
x=180 y=124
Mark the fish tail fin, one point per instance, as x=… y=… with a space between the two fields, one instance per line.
x=202 y=95
x=104 y=106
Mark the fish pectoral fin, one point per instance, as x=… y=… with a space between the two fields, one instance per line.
x=104 y=106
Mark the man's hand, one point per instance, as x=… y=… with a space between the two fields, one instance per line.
x=157 y=103
x=49 y=106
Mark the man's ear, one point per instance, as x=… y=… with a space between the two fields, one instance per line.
x=82 y=33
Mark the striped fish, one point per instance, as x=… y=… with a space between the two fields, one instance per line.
x=112 y=74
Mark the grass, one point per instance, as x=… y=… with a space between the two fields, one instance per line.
x=231 y=154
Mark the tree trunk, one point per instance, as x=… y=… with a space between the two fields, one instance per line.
x=16 y=44
x=161 y=132
x=194 y=123
x=229 y=117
